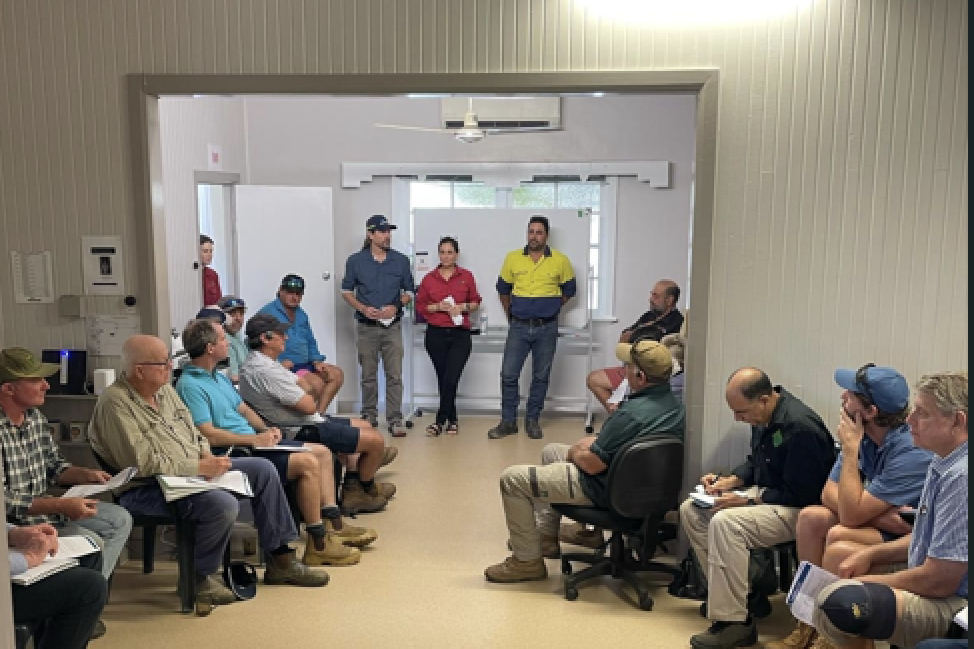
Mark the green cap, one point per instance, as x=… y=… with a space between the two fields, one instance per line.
x=19 y=363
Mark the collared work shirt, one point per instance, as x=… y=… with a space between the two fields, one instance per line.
x=536 y=288
x=272 y=391
x=31 y=464
x=302 y=347
x=434 y=289
x=378 y=283
x=238 y=353
x=212 y=399
x=940 y=530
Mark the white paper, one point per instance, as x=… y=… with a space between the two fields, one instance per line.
x=33 y=277
x=176 y=487
x=106 y=334
x=278 y=447
x=457 y=319
x=385 y=322
x=808 y=583
x=961 y=617
x=69 y=549
x=72 y=547
x=620 y=392
x=85 y=490
x=702 y=499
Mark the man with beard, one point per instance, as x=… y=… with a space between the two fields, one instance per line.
x=663 y=317
x=534 y=283
x=378 y=283
x=235 y=309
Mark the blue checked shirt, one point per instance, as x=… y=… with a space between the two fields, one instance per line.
x=31 y=464
x=940 y=530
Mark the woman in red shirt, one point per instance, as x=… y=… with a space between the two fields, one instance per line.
x=446 y=297
x=211 y=280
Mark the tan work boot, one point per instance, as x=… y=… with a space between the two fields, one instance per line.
x=385 y=489
x=294 y=573
x=210 y=593
x=549 y=547
x=389 y=453
x=355 y=500
x=335 y=553
x=800 y=638
x=578 y=534
x=822 y=643
x=352 y=535
x=511 y=570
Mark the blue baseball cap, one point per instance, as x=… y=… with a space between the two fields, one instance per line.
x=380 y=223
x=212 y=313
x=884 y=386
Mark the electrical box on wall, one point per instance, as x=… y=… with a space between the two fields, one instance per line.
x=101 y=260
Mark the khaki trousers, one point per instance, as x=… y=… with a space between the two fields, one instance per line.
x=723 y=542
x=526 y=491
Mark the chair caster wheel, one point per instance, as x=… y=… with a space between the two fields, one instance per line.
x=571 y=594
x=566 y=568
x=646 y=603
x=589 y=430
x=419 y=413
x=409 y=424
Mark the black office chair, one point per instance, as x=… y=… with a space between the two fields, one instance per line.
x=643 y=484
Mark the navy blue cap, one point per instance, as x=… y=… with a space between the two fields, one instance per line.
x=884 y=386
x=231 y=302
x=862 y=609
x=380 y=223
x=292 y=282
x=212 y=313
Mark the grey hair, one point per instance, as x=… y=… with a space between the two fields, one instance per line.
x=948 y=389
x=677 y=345
x=197 y=335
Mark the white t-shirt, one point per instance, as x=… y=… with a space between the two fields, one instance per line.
x=272 y=390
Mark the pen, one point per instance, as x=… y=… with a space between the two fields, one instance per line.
x=229 y=451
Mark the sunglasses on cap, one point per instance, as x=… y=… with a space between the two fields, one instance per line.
x=294 y=284
x=234 y=303
x=862 y=381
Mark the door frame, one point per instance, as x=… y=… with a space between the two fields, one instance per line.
x=144 y=91
x=227 y=179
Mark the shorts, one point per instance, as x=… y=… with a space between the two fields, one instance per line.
x=303 y=368
x=279 y=458
x=616 y=375
x=337 y=433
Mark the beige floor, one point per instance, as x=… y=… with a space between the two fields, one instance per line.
x=422 y=583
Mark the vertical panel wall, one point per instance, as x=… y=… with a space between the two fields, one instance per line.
x=840 y=233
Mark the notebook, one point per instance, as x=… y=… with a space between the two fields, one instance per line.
x=175 y=487
x=69 y=549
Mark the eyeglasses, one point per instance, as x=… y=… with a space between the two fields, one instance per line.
x=168 y=361
x=862 y=381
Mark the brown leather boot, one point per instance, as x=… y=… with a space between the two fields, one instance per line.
x=355 y=500
x=335 y=553
x=511 y=570
x=801 y=637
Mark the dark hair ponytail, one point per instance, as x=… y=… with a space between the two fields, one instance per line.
x=451 y=241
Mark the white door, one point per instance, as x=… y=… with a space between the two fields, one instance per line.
x=283 y=230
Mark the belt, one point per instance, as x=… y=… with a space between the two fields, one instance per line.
x=376 y=323
x=534 y=322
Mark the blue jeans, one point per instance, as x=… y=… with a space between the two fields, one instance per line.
x=111 y=524
x=523 y=339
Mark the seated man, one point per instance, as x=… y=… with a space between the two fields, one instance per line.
x=68 y=602
x=318 y=378
x=663 y=318
x=577 y=474
x=791 y=455
x=226 y=421
x=32 y=463
x=919 y=602
x=879 y=470
x=234 y=308
x=275 y=394
x=140 y=421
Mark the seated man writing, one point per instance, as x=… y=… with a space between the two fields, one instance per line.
x=140 y=421
x=226 y=421
x=662 y=318
x=920 y=601
x=879 y=470
x=577 y=474
x=276 y=395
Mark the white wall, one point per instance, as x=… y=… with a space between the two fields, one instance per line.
x=840 y=232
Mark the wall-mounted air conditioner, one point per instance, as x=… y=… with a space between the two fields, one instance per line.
x=503 y=112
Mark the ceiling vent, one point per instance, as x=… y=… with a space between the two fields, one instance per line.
x=507 y=113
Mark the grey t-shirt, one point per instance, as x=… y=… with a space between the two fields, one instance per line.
x=271 y=389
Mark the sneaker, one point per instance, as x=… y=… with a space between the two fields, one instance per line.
x=355 y=500
x=99 y=630
x=389 y=453
x=578 y=534
x=801 y=637
x=550 y=549
x=397 y=428
x=533 y=428
x=511 y=570
x=352 y=535
x=502 y=429
x=211 y=593
x=335 y=553
x=758 y=606
x=295 y=574
x=726 y=635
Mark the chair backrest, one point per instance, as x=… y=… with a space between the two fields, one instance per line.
x=646 y=477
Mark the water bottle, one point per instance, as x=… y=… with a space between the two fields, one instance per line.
x=482 y=311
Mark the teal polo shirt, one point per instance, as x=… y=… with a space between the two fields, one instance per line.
x=212 y=399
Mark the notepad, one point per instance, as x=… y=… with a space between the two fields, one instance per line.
x=961 y=617
x=701 y=498
x=175 y=487
x=620 y=392
x=69 y=549
x=808 y=583
x=279 y=447
x=86 y=490
x=457 y=319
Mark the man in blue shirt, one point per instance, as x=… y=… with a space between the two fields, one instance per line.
x=878 y=471
x=319 y=379
x=919 y=602
x=378 y=283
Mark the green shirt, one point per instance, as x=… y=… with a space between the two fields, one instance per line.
x=652 y=410
x=238 y=354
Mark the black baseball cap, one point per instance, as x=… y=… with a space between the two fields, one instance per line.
x=263 y=323
x=212 y=313
x=292 y=282
x=380 y=223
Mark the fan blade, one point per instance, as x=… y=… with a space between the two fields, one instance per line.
x=414 y=128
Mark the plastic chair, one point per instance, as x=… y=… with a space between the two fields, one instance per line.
x=644 y=482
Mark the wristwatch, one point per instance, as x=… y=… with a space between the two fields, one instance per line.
x=751 y=501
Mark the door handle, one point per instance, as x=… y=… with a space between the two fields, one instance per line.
x=326 y=276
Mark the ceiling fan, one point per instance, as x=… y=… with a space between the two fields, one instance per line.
x=471 y=131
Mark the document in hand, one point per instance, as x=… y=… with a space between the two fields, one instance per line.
x=808 y=583
x=175 y=487
x=69 y=549
x=457 y=319
x=280 y=447
x=620 y=392
x=86 y=490
x=961 y=617
x=702 y=499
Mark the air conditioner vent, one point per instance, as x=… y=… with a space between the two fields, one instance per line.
x=487 y=123
x=503 y=112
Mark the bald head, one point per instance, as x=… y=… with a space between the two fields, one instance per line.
x=751 y=396
x=664 y=296
x=142 y=348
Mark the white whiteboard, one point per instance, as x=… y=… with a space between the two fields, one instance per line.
x=487 y=235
